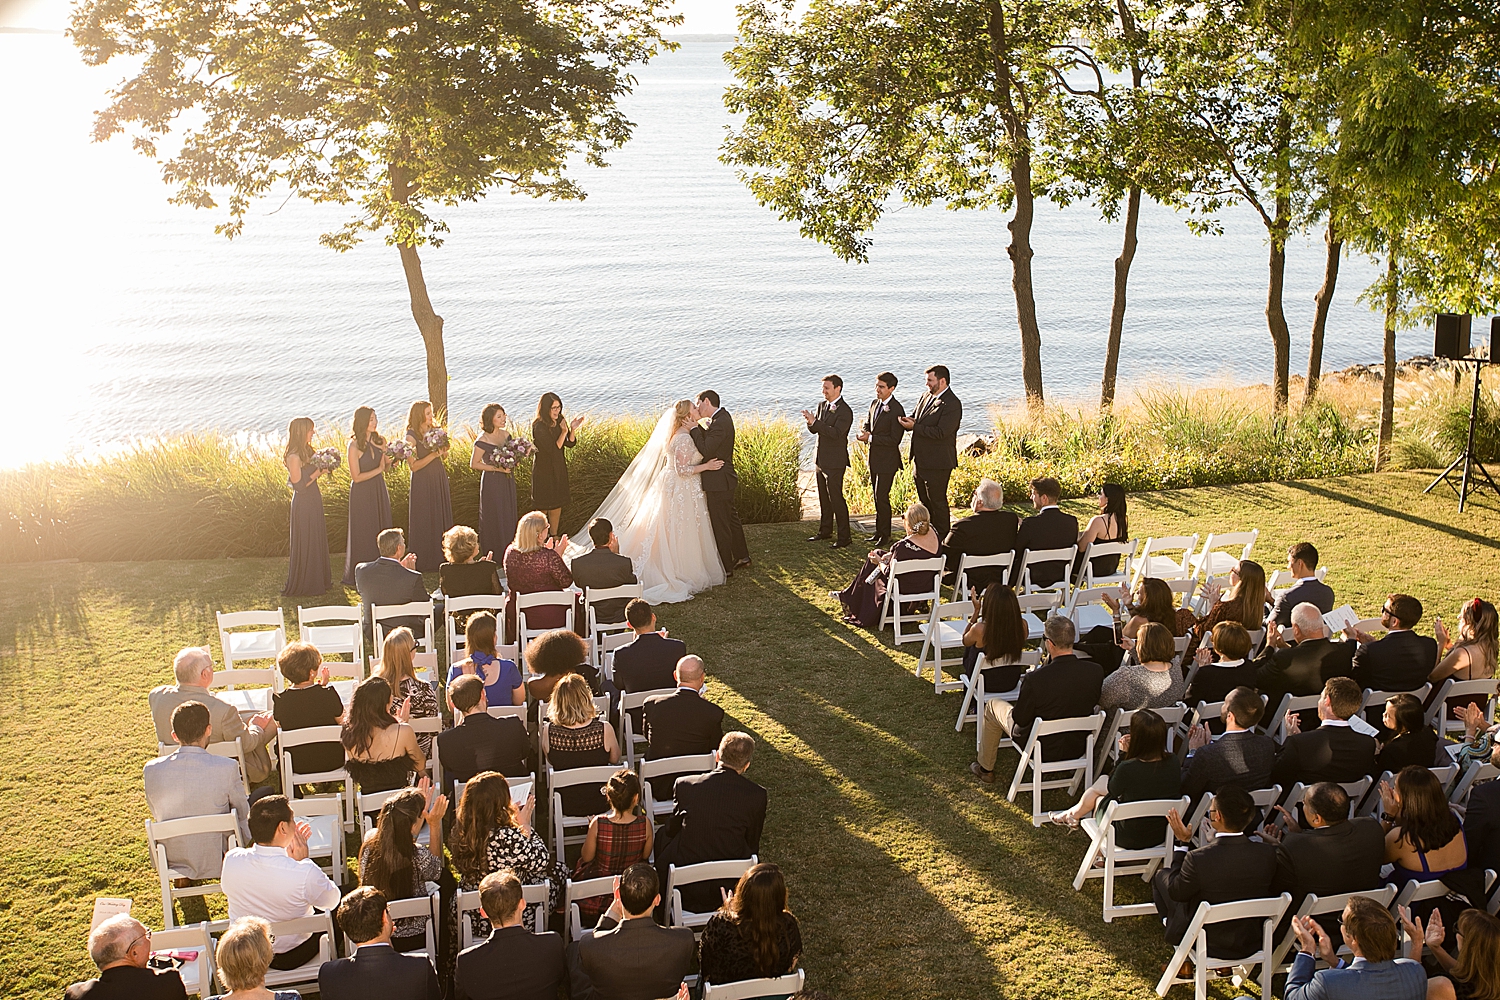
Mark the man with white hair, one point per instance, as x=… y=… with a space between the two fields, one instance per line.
x=1301 y=669
x=987 y=532
x=120 y=947
x=194 y=670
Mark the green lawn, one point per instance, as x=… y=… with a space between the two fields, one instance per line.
x=902 y=868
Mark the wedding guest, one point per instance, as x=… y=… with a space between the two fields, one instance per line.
x=578 y=736
x=753 y=935
x=243 y=957
x=391 y=860
x=465 y=574
x=830 y=424
x=1304 y=668
x=502 y=678
x=989 y=531
x=1424 y=839
x=1472 y=658
x=308 y=702
x=647 y=662
x=374 y=968
x=369 y=499
x=497 y=484
x=391 y=579
x=1109 y=525
x=1146 y=771
x=883 y=432
x=994 y=638
x=603 y=568
x=1216 y=678
x=551 y=432
x=491 y=833
x=190 y=781
x=307 y=571
x=1375 y=974
x=194 y=669
x=430 y=506
x=1475 y=973
x=861 y=600
x=1153 y=601
x=533 y=563
x=684 y=722
x=616 y=839
x=1240 y=756
x=629 y=956
x=1400 y=660
x=1302 y=562
x=398 y=667
x=380 y=749
x=513 y=963
x=1151 y=683
x=718 y=816
x=1332 y=751
x=554 y=655
x=1482 y=826
x=1411 y=740
x=121 y=948
x=1330 y=854
x=1048 y=528
x=478 y=741
x=934 y=444
x=1244 y=603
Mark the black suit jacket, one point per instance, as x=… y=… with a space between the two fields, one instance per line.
x=484 y=743
x=1213 y=682
x=934 y=435
x=1228 y=870
x=636 y=959
x=718 y=816
x=1331 y=860
x=885 y=435
x=386 y=581
x=985 y=533
x=379 y=971
x=1328 y=753
x=831 y=423
x=1482 y=826
x=1302 y=669
x=1046 y=529
x=1242 y=758
x=717 y=441
x=511 y=964
x=1398 y=661
x=1314 y=592
x=682 y=723
x=1064 y=687
x=126 y=982
x=601 y=569
x=646 y=663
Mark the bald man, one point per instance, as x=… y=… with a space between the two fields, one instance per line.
x=683 y=722
x=120 y=947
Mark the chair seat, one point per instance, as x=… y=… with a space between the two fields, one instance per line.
x=251 y=700
x=1220 y=563
x=948 y=633
x=253 y=645
x=1092 y=616
x=331 y=638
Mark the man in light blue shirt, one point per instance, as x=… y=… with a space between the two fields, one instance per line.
x=190 y=781
x=1375 y=974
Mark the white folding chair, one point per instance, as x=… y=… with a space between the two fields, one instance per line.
x=325 y=817
x=1087 y=608
x=1182 y=591
x=1035 y=608
x=1109 y=748
x=630 y=703
x=941 y=632
x=430 y=725
x=511 y=783
x=405 y=909
x=190 y=949
x=598 y=629
x=1377 y=699
x=971 y=709
x=1438 y=715
x=157 y=832
x=231 y=686
x=304 y=978
x=581 y=889
x=613 y=641
x=508 y=711
x=707 y=871
x=1475 y=774
x=1356 y=790
x=1282 y=581
x=1421 y=892
x=967 y=561
x=1210 y=561
x=1043 y=557
x=1123 y=574
x=380 y=614
x=287 y=739
x=657 y=809
x=264 y=643
x=453 y=607
x=749 y=989
x=1314 y=905
x=540 y=599
x=1195 y=944
x=469 y=907
x=572 y=777
x=233 y=749
x=1290 y=704
x=891 y=609
x=1163 y=567
x=1080 y=770
x=1121 y=861
x=333 y=628
x=1264 y=799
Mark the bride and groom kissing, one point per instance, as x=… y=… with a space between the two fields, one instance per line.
x=674 y=508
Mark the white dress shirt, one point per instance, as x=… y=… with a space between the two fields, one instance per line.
x=263 y=881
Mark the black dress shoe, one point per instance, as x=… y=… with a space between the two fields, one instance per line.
x=842 y=544
x=818 y=538
x=742 y=563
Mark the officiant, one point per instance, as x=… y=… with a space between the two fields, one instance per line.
x=831 y=423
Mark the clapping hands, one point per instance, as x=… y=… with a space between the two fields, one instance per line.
x=1179 y=828
x=403 y=713
x=409 y=560
x=1312 y=939
x=1199 y=737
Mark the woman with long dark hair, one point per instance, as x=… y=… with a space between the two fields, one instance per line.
x=391 y=860
x=429 y=506
x=490 y=832
x=754 y=935
x=1475 y=973
x=1109 y=525
x=994 y=639
x=369 y=499
x=1146 y=771
x=380 y=749
x=307 y=568
x=551 y=432
x=1412 y=740
x=497 y=485
x=1424 y=839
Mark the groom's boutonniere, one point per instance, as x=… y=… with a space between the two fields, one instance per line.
x=704 y=422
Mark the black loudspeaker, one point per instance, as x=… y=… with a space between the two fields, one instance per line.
x=1495 y=339
x=1452 y=338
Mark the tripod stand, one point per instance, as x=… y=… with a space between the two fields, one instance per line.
x=1467 y=459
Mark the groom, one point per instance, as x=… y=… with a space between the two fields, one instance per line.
x=716 y=440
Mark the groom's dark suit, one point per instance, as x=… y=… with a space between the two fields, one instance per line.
x=885 y=458
x=934 y=452
x=719 y=485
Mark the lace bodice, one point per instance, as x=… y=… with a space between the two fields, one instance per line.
x=685 y=454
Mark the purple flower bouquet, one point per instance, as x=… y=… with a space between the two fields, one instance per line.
x=399 y=450
x=512 y=451
x=326 y=459
x=435 y=439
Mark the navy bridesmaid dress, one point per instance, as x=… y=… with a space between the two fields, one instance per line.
x=307 y=572
x=497 y=503
x=430 y=510
x=369 y=513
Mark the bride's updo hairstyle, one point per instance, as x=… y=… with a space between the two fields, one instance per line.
x=918 y=520
x=682 y=410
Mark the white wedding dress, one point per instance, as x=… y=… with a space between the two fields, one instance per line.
x=660 y=516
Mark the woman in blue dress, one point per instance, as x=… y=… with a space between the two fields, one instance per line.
x=497 y=486
x=307 y=569
x=369 y=500
x=430 y=507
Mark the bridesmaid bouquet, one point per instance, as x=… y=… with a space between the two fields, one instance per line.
x=509 y=454
x=435 y=439
x=327 y=459
x=399 y=450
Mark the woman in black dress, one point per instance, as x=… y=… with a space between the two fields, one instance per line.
x=497 y=486
x=307 y=571
x=1109 y=525
x=430 y=507
x=551 y=433
x=369 y=500
x=754 y=935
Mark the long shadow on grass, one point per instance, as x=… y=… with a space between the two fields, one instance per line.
x=1375 y=508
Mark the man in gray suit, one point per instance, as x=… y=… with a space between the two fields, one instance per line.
x=193 y=782
x=1375 y=974
x=391 y=579
x=630 y=956
x=194 y=670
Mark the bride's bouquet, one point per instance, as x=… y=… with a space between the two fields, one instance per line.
x=509 y=454
x=435 y=439
x=399 y=450
x=327 y=459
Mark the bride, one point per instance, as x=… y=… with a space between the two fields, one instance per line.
x=661 y=516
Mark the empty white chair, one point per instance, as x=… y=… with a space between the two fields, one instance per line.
x=1156 y=562
x=188 y=949
x=333 y=628
x=598 y=627
x=708 y=871
x=304 y=978
x=525 y=632
x=968 y=561
x=382 y=615
x=592 y=777
x=582 y=889
x=1122 y=861
x=630 y=703
x=1212 y=561
x=749 y=989
x=1124 y=571
x=268 y=639
x=227 y=824
x=462 y=607
x=1314 y=905
x=1032 y=558
x=658 y=809
x=1080 y=770
x=943 y=632
x=1087 y=608
x=1439 y=715
x=924 y=580
x=1195 y=944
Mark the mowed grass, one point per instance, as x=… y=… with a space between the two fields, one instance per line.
x=910 y=878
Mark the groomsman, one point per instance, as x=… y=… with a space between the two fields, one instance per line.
x=934 y=444
x=831 y=423
x=883 y=434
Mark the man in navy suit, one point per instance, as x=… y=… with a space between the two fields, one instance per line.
x=1302 y=561
x=883 y=433
x=512 y=963
x=1400 y=660
x=934 y=444
x=831 y=423
x=375 y=969
x=391 y=579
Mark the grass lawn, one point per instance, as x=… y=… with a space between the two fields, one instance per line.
x=909 y=877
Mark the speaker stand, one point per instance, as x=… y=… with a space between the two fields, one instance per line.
x=1466 y=459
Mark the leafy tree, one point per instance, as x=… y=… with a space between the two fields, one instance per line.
x=396 y=107
x=860 y=101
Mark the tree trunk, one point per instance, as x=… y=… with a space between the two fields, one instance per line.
x=1335 y=247
x=1388 y=383
x=431 y=326
x=1281 y=337
x=1117 y=310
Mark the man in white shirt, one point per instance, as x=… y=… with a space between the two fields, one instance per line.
x=275 y=880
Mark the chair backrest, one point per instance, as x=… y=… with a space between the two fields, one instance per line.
x=382 y=613
x=1376 y=698
x=1119 y=812
x=1439 y=716
x=636 y=699
x=1183 y=588
x=544 y=598
x=968 y=561
x=288 y=738
x=750 y=989
x=1209 y=559
x=228 y=680
x=1162 y=567
x=698 y=763
x=333 y=628
x=1037 y=557
x=706 y=871
x=569 y=777
x=1090 y=724
x=1125 y=550
x=197 y=972
x=585 y=889
x=508 y=711
x=912 y=567
x=267 y=639
x=185 y=826
x=307 y=973
x=592 y=596
x=1270 y=908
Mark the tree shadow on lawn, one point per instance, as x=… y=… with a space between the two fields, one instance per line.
x=1391 y=512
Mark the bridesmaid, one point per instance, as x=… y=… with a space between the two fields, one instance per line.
x=369 y=500
x=307 y=572
x=497 y=486
x=551 y=433
x=430 y=512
